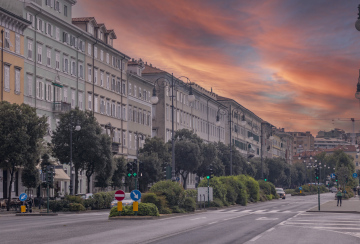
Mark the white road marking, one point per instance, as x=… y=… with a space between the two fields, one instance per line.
x=199 y=218
x=213 y=223
x=259 y=211
x=256 y=237
x=270 y=229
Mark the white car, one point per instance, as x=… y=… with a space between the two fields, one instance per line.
x=126 y=202
x=280 y=192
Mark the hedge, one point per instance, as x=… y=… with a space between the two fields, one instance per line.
x=145 y=209
x=173 y=192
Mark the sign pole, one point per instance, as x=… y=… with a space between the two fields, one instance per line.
x=319 y=193
x=47 y=189
x=208 y=193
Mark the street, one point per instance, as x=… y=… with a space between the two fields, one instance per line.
x=283 y=221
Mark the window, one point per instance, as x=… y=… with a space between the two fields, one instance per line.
x=107 y=81
x=124 y=112
x=39 y=89
x=145 y=95
x=118 y=86
x=89 y=74
x=95 y=76
x=124 y=138
x=80 y=100
x=65 y=10
x=81 y=71
x=40 y=25
x=140 y=95
x=65 y=95
x=72 y=98
x=108 y=109
x=73 y=67
x=118 y=111
x=29 y=85
x=102 y=105
x=39 y=56
x=113 y=108
x=96 y=104
x=81 y=45
x=101 y=78
x=89 y=49
x=135 y=91
x=91 y=28
x=49 y=29
x=107 y=58
x=95 y=52
x=129 y=88
x=101 y=55
x=57 y=93
x=30 y=48
x=57 y=60
x=48 y=93
x=30 y=18
x=17 y=81
x=48 y=57
x=66 y=64
x=130 y=143
x=7 y=78
x=17 y=43
x=57 y=6
x=57 y=34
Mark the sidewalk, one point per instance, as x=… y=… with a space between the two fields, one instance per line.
x=348 y=206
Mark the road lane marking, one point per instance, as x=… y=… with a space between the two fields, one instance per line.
x=199 y=218
x=270 y=229
x=265 y=218
x=256 y=237
x=213 y=223
x=259 y=211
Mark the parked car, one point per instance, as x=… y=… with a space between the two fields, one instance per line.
x=333 y=189
x=126 y=202
x=280 y=192
x=85 y=196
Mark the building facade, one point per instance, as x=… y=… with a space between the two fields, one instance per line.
x=303 y=141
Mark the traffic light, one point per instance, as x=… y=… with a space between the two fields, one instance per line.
x=129 y=169
x=336 y=178
x=210 y=172
x=50 y=174
x=141 y=168
x=317 y=173
x=135 y=168
x=265 y=179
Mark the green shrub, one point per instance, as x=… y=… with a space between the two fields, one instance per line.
x=219 y=189
x=74 y=199
x=89 y=203
x=145 y=209
x=76 y=207
x=159 y=201
x=191 y=193
x=216 y=203
x=57 y=206
x=189 y=204
x=252 y=187
x=173 y=191
x=270 y=197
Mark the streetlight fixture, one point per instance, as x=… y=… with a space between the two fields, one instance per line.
x=77 y=128
x=230 y=112
x=162 y=82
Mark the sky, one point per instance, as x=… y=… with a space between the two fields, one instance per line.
x=294 y=63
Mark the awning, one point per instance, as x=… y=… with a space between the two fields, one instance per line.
x=60 y=175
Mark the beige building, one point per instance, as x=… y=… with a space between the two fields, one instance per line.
x=283 y=145
x=105 y=71
x=139 y=118
x=303 y=141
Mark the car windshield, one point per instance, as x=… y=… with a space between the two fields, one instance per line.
x=279 y=189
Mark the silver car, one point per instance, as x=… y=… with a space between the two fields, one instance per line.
x=126 y=202
x=280 y=192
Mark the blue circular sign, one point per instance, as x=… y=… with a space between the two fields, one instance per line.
x=300 y=188
x=135 y=195
x=355 y=175
x=332 y=176
x=22 y=197
x=177 y=178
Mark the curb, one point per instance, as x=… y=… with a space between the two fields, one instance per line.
x=153 y=217
x=314 y=211
x=39 y=214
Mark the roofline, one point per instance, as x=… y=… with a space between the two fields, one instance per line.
x=16 y=16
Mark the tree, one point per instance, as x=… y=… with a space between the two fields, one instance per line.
x=152 y=171
x=119 y=172
x=187 y=153
x=156 y=145
x=30 y=176
x=90 y=150
x=209 y=153
x=238 y=161
x=21 y=133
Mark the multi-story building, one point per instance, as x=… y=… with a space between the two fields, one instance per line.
x=335 y=133
x=303 y=141
x=327 y=143
x=12 y=28
x=284 y=145
x=244 y=127
x=139 y=118
x=198 y=116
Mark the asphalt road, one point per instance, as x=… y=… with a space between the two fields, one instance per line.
x=277 y=221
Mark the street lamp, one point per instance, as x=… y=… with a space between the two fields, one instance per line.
x=230 y=112
x=155 y=99
x=137 y=154
x=357 y=26
x=77 y=128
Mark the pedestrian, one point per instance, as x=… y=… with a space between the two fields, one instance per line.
x=339 y=197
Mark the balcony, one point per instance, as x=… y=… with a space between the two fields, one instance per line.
x=61 y=107
x=115 y=147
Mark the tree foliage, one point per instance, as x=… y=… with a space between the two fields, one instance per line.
x=21 y=134
x=119 y=172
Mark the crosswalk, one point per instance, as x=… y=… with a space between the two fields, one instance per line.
x=261 y=211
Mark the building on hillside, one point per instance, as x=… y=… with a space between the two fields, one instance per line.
x=12 y=28
x=303 y=141
x=198 y=116
x=245 y=128
x=139 y=118
x=327 y=143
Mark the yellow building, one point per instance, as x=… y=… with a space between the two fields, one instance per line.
x=12 y=56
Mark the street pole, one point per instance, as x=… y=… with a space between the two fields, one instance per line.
x=230 y=114
x=71 y=181
x=208 y=193
x=47 y=189
x=319 y=191
x=261 y=150
x=173 y=178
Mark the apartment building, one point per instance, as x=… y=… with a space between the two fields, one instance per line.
x=303 y=141
x=139 y=118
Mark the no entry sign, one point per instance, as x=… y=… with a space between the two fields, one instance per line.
x=119 y=195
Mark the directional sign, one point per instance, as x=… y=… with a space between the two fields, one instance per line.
x=300 y=188
x=332 y=176
x=177 y=178
x=119 y=195
x=135 y=195
x=22 y=197
x=355 y=175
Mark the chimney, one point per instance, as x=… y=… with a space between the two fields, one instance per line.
x=150 y=65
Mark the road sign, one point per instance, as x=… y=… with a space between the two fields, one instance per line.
x=22 y=197
x=135 y=195
x=300 y=188
x=355 y=175
x=332 y=176
x=177 y=178
x=119 y=195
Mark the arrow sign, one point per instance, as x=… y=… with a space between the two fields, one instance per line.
x=355 y=175
x=300 y=188
x=332 y=176
x=22 y=197
x=135 y=195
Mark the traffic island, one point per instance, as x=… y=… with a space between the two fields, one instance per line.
x=347 y=206
x=36 y=214
x=134 y=217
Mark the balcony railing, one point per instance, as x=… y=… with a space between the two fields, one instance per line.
x=61 y=107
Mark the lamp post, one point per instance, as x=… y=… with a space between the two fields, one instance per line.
x=154 y=100
x=230 y=112
x=77 y=128
x=137 y=154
